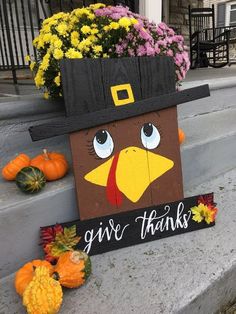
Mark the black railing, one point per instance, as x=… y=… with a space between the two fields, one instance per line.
x=68 y=5
x=20 y=22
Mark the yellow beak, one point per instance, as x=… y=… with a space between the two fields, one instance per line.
x=136 y=170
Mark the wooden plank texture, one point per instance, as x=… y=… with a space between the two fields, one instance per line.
x=136 y=165
x=118 y=72
x=156 y=76
x=76 y=123
x=168 y=187
x=82 y=86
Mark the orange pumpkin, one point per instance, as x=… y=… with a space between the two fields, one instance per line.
x=25 y=274
x=181 y=136
x=72 y=269
x=11 y=169
x=53 y=165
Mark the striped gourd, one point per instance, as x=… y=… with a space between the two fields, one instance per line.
x=30 y=180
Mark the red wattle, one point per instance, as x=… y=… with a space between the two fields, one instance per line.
x=114 y=195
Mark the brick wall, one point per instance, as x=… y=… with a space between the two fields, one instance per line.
x=178 y=15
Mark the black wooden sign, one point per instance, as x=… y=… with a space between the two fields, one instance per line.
x=116 y=231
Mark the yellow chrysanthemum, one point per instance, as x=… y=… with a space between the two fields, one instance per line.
x=92 y=38
x=53 y=22
x=35 y=42
x=124 y=22
x=91 y=16
x=46 y=28
x=134 y=21
x=57 y=43
x=114 y=25
x=73 y=54
x=74 y=34
x=73 y=20
x=58 y=54
x=57 y=79
x=27 y=58
x=74 y=38
x=94 y=31
x=97 y=6
x=106 y=28
x=39 y=79
x=60 y=15
x=85 y=29
x=47 y=37
x=97 y=49
x=62 y=29
x=85 y=44
x=32 y=65
x=74 y=42
x=40 y=42
x=81 y=12
x=45 y=63
x=46 y=21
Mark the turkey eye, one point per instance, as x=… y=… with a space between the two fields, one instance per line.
x=101 y=137
x=148 y=129
x=103 y=144
x=150 y=136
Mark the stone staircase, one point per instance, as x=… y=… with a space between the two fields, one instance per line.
x=190 y=273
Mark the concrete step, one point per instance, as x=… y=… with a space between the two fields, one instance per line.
x=189 y=273
x=223 y=95
x=209 y=150
x=210 y=147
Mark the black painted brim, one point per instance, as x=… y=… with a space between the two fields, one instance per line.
x=71 y=124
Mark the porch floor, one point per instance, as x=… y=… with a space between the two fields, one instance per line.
x=210 y=73
x=25 y=84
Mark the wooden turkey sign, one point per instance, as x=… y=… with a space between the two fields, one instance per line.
x=122 y=121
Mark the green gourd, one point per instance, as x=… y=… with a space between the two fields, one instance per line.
x=30 y=180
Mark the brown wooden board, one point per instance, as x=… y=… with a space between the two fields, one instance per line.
x=170 y=185
x=116 y=231
x=160 y=166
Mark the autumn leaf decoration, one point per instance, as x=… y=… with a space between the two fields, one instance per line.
x=57 y=240
x=205 y=210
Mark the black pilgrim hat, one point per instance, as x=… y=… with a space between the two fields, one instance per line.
x=99 y=91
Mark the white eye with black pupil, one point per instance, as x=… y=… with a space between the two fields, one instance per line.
x=103 y=144
x=150 y=136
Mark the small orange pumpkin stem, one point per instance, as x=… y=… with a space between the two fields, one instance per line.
x=57 y=168
x=46 y=154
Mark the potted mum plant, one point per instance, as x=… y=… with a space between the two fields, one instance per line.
x=100 y=31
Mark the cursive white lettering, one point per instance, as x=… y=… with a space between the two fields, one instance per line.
x=104 y=234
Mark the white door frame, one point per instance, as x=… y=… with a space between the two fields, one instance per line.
x=152 y=9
